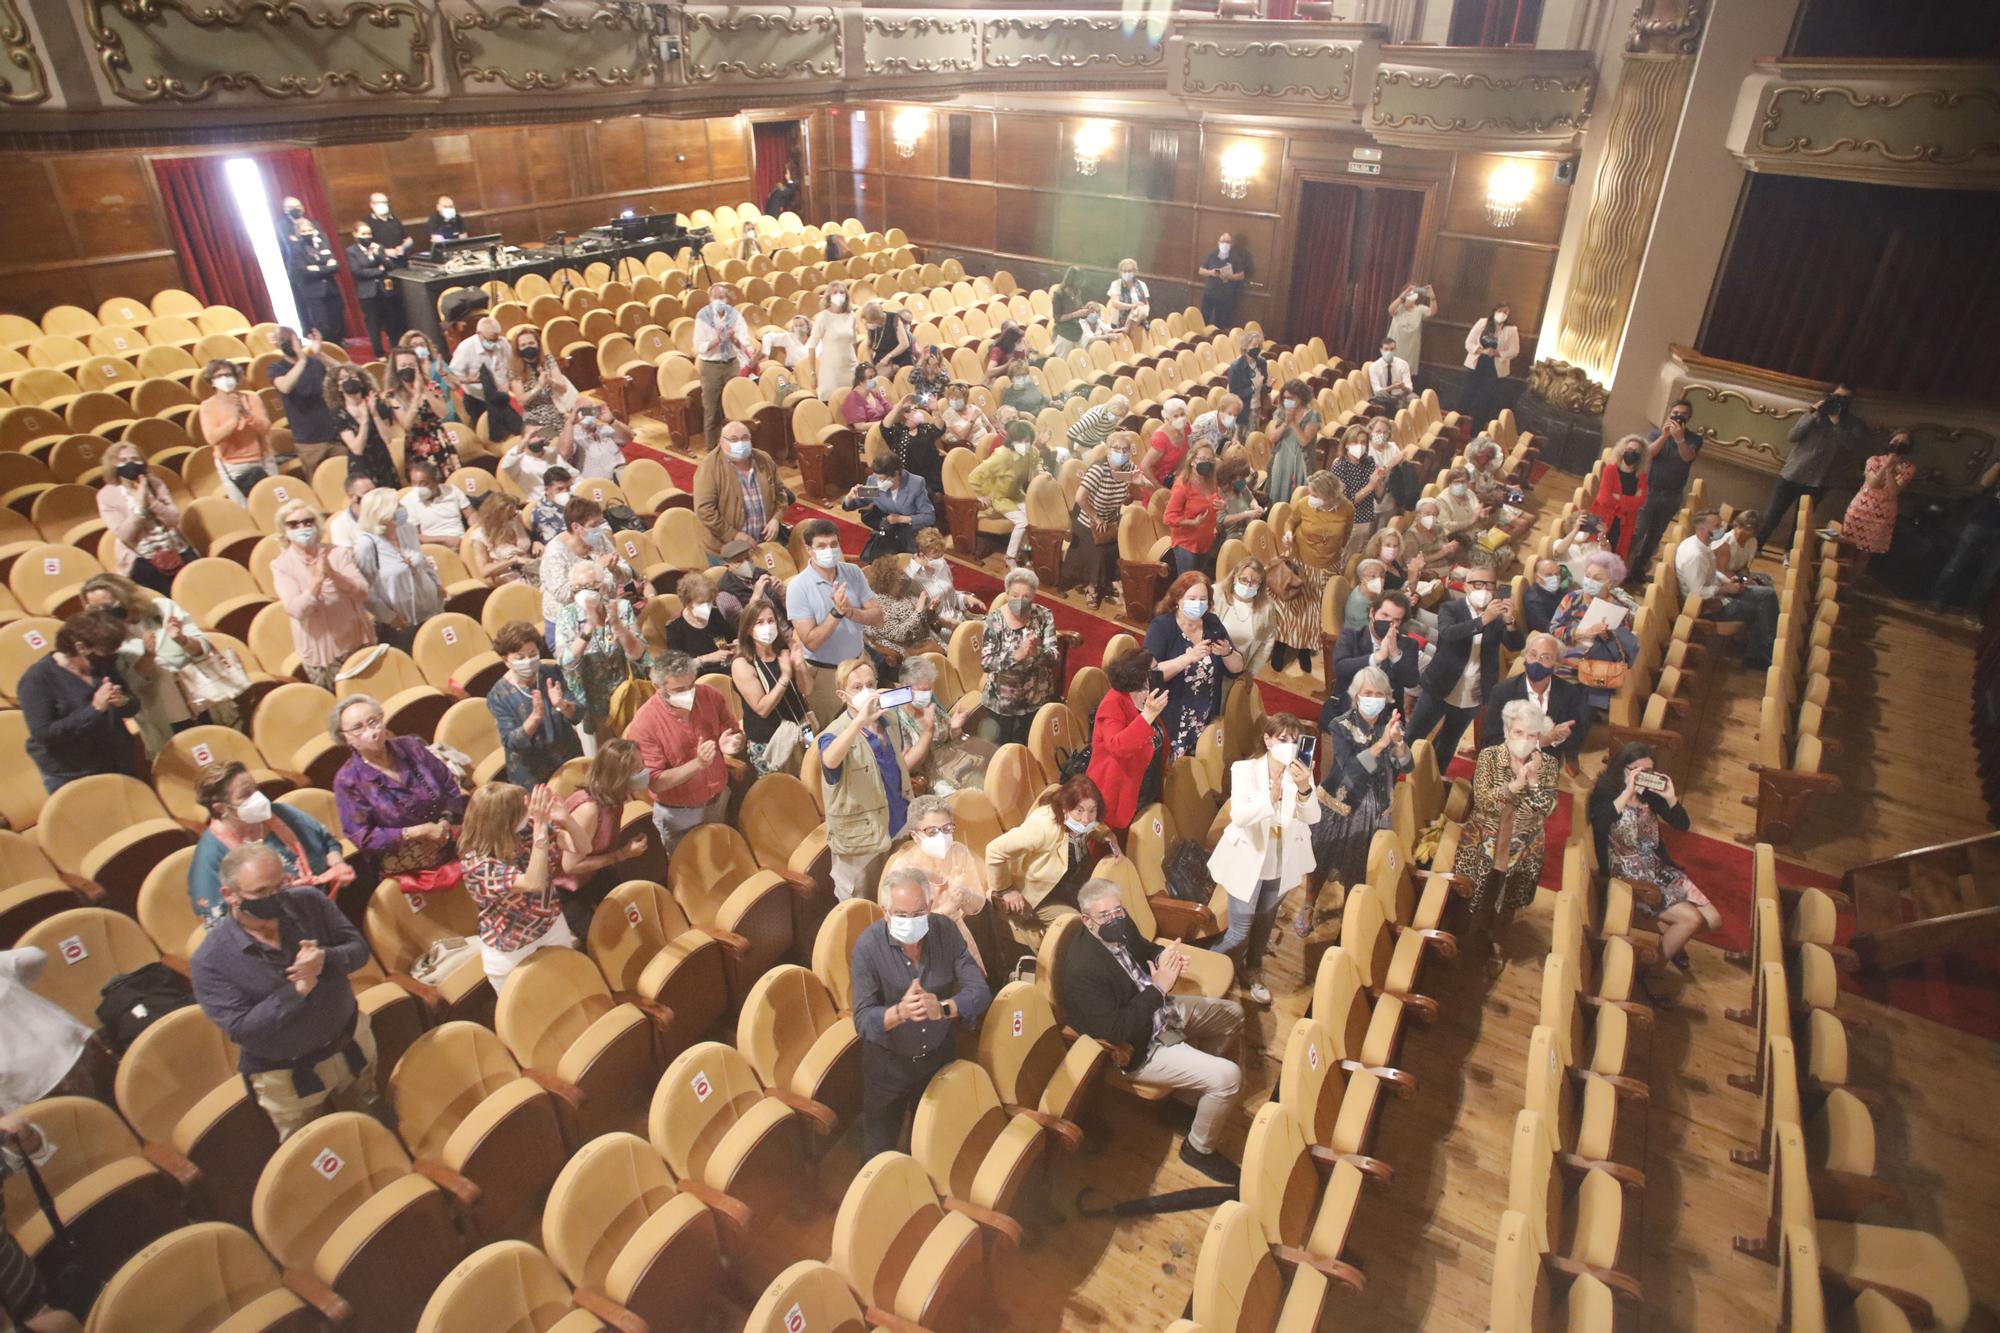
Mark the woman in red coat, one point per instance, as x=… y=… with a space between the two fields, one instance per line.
x=1621 y=495
x=1125 y=740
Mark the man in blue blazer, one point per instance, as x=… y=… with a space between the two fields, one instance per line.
x=1465 y=668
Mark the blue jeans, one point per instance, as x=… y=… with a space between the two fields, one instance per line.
x=1252 y=922
x=1757 y=608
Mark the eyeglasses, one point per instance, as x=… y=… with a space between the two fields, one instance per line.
x=1111 y=917
x=936 y=829
x=363 y=727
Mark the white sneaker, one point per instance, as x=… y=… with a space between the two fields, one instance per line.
x=1260 y=993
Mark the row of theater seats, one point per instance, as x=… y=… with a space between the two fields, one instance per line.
x=1790 y=749
x=1818 y=1139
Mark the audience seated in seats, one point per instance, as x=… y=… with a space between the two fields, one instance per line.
x=1128 y=746
x=239 y=815
x=1625 y=819
x=399 y=804
x=915 y=980
x=894 y=502
x=1365 y=754
x=500 y=550
x=868 y=400
x=324 y=595
x=145 y=524
x=1723 y=597
x=954 y=877
x=739 y=582
x=1736 y=548
x=519 y=902
x=1547 y=584
x=701 y=630
x=1622 y=495
x=964 y=422
x=439 y=511
x=1460 y=512
x=534 y=714
x=829 y=604
x=1117 y=986
x=75 y=703
x=686 y=735
x=1194 y=656
x=272 y=974
x=773 y=679
x=1567 y=704
x=403 y=586
x=1019 y=654
x=1035 y=868
x=1267 y=846
x=161 y=640
x=587 y=824
x=737 y=493
x=1465 y=667
x=865 y=757
x=1249 y=614
x=1101 y=497
x=1500 y=852
x=931 y=568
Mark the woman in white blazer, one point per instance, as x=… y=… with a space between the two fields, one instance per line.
x=1267 y=847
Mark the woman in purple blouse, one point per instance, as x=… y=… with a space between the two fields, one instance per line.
x=398 y=802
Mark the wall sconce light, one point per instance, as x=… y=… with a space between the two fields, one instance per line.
x=906 y=129
x=1089 y=142
x=1240 y=162
x=1506 y=190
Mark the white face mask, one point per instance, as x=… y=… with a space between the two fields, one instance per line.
x=1392 y=553
x=426 y=494
x=958 y=404
x=858 y=701
x=767 y=632
x=255 y=809
x=1248 y=591
x=423 y=352
x=682 y=699
x=1551 y=583
x=1374 y=587
x=1371 y=706
x=1458 y=490
x=1428 y=520
x=738 y=449
x=698 y=613
x=558 y=498
x=1194 y=608
x=719 y=307
x=935 y=845
x=1228 y=421
x=1284 y=751
x=1478 y=598
x=1023 y=448
x=527 y=668
x=1356 y=450
x=302 y=536
x=922 y=698
x=826 y=557
x=1521 y=747
x=837 y=302
x=1590 y=585
x=1288 y=404
x=1222 y=249
x=224 y=383
x=909 y=929
x=1119 y=458
x=1315 y=502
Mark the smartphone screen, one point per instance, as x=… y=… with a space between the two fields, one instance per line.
x=1306 y=749
x=892 y=698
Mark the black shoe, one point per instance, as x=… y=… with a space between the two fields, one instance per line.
x=1211 y=1164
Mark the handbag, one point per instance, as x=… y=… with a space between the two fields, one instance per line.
x=1599 y=673
x=1187 y=872
x=217 y=677
x=161 y=548
x=442 y=958
x=626 y=700
x=70 y=1283
x=782 y=750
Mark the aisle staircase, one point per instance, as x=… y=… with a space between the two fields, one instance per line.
x=1927 y=901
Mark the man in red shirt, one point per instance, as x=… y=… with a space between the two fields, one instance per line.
x=684 y=733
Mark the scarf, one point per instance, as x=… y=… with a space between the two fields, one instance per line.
x=274 y=827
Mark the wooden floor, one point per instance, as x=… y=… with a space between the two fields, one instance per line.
x=1425 y=1240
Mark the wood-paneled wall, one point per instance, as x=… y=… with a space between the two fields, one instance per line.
x=82 y=227
x=1024 y=206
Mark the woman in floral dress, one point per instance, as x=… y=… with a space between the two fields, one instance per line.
x=1870 y=523
x=420 y=410
x=1018 y=654
x=1192 y=652
x=597 y=645
x=1625 y=820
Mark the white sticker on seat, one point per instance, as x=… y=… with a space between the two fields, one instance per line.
x=702 y=1087
x=328 y=1164
x=72 y=950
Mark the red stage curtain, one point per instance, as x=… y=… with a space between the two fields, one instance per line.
x=1891 y=289
x=775 y=143
x=1494 y=22
x=1385 y=244
x=292 y=171
x=214 y=250
x=1320 y=259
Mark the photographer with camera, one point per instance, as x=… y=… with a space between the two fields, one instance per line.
x=1631 y=799
x=1821 y=443
x=1407 y=314
x=895 y=503
x=1670 y=454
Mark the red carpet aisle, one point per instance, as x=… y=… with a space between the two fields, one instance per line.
x=1959 y=993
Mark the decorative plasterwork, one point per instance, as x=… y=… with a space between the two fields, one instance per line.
x=1568 y=387
x=1498 y=100
x=1319 y=71
x=1666 y=27
x=1925 y=123
x=531 y=50
x=18 y=53
x=923 y=44
x=1051 y=41
x=172 y=50
x=757 y=45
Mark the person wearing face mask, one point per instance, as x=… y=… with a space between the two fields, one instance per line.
x=1224 y=275
x=1426 y=536
x=1384 y=637
x=1101 y=496
x=418 y=409
x=394 y=238
x=1035 y=869
x=272 y=974
x=161 y=641
x=954 y=875
x=686 y=737
x=835 y=342
x=963 y=421
x=1362 y=480
x=1621 y=496
x=1625 y=819
x=740 y=580
x=300 y=375
x=375 y=288
x=323 y=593
x=1365 y=753
x=528 y=464
x=738 y=495
x=597 y=643
x=1020 y=655
x=1506 y=337
x=544 y=393
x=1407 y=314
x=1295 y=442
x=866 y=781
x=1312 y=547
x=829 y=603
x=1500 y=852
x=1823 y=444
x=1459 y=511
x=1546 y=585
x=1465 y=667
x=1192 y=512
x=1389 y=379
x=439 y=512
x=1128 y=748
x=916 y=985
x=545 y=517
x=1670 y=456
x=1249 y=616
x=1169 y=446
x=1725 y=597
x=316 y=280
x=1000 y=480
x=888 y=335
x=1067 y=306
x=912 y=434
x=1870 y=522
x=585 y=540
x=931 y=382
x=932 y=571
x=483 y=365
x=233 y=421
x=772 y=678
x=1194 y=657
x=594 y=439
x=144 y=522
x=434 y=370
x=361 y=419
x=1248 y=377
x=534 y=714
x=403 y=586
x=587 y=850
x=1266 y=847
x=895 y=504
x=1117 y=986
x=1218 y=426
x=1128 y=297
x=868 y=401
x=1585 y=537
x=445 y=224
x=240 y=815
x=1371 y=580
x=1240 y=503
x=509 y=873
x=701 y=630
x=1095 y=425
x=1607 y=642
x=1566 y=703
x=75 y=704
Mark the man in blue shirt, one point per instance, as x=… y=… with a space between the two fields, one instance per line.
x=272 y=974
x=913 y=978
x=896 y=504
x=828 y=602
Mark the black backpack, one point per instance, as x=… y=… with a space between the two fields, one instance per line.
x=131 y=1002
x=620 y=518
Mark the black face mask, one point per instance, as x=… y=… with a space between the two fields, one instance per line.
x=1121 y=933
x=1204 y=469
x=355 y=388
x=531 y=354
x=295 y=213
x=1678 y=421
x=131 y=469
x=407 y=375
x=116 y=609
x=1380 y=628
x=537 y=446
x=1632 y=458
x=1838 y=403
x=268 y=908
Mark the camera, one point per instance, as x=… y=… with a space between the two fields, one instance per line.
x=1651 y=780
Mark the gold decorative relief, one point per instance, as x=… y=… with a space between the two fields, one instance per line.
x=531 y=50
x=172 y=50
x=1485 y=98
x=763 y=44
x=1320 y=71
x=924 y=44
x=1073 y=42
x=1837 y=134
x=17 y=48
x=1666 y=27
x=1568 y=387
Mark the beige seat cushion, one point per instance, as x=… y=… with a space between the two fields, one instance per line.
x=1907 y=1260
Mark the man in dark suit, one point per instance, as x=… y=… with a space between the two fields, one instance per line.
x=1116 y=986
x=1566 y=703
x=1466 y=666
x=381 y=304
x=1379 y=641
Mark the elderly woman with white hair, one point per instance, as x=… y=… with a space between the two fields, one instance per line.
x=954 y=875
x=1018 y=653
x=598 y=645
x=403 y=587
x=923 y=718
x=1371 y=580
x=1601 y=655
x=323 y=592
x=1513 y=794
x=1365 y=753
x=1168 y=448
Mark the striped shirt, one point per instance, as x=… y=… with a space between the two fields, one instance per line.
x=1102 y=493
x=1092 y=428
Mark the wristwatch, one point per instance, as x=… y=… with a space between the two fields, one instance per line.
x=950 y=1009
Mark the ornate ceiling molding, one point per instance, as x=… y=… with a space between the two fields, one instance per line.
x=925 y=44
x=17 y=48
x=1503 y=100
x=1319 y=71
x=251 y=25
x=794 y=43
x=624 y=38
x=1669 y=27
x=1072 y=42
x=1926 y=123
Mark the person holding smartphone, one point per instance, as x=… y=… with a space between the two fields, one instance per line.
x=1194 y=655
x=1267 y=846
x=1631 y=800
x=866 y=779
x=1365 y=753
